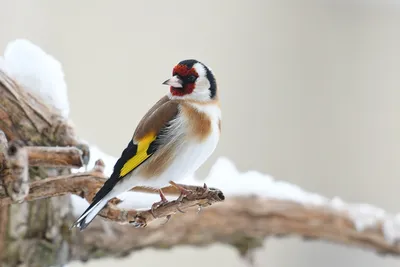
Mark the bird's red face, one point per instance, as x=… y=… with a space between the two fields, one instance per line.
x=188 y=76
x=191 y=79
x=183 y=80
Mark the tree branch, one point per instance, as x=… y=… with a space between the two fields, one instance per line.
x=243 y=222
x=53 y=157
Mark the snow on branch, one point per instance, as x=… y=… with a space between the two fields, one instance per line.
x=38 y=72
x=34 y=111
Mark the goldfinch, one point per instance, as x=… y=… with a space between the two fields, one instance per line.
x=174 y=138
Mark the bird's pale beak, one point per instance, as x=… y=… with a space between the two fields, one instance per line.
x=174 y=82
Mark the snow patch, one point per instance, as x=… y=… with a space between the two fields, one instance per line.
x=391 y=229
x=38 y=72
x=225 y=176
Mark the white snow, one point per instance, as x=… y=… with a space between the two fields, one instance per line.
x=38 y=72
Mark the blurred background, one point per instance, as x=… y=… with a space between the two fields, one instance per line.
x=315 y=83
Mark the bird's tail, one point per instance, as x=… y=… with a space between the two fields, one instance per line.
x=90 y=213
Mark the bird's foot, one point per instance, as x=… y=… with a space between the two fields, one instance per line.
x=157 y=204
x=184 y=192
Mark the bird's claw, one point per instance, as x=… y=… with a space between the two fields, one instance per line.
x=184 y=192
x=181 y=196
x=159 y=203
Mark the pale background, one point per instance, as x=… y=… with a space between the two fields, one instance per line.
x=309 y=91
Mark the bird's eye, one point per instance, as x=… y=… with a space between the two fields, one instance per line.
x=191 y=78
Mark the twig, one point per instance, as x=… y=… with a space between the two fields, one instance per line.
x=53 y=157
x=82 y=184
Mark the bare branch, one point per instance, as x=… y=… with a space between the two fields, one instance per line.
x=82 y=184
x=53 y=157
x=243 y=222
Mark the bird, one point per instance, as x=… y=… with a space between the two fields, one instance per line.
x=172 y=140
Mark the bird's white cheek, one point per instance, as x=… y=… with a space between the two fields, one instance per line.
x=202 y=84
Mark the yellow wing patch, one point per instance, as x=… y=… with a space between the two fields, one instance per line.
x=140 y=156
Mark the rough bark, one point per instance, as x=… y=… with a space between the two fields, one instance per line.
x=53 y=157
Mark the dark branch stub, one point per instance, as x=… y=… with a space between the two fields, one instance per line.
x=17 y=184
x=14 y=168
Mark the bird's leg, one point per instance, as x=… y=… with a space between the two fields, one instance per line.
x=184 y=192
x=156 y=204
